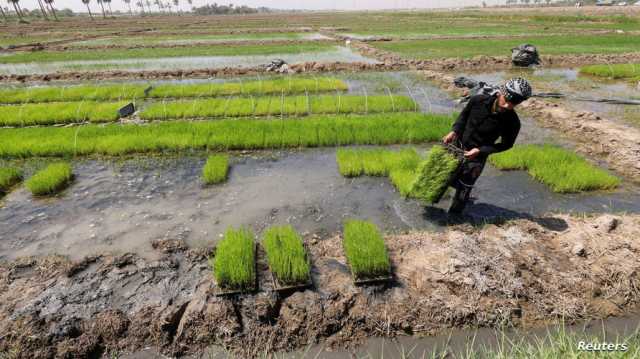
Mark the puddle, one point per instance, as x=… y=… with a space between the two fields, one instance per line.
x=121 y=206
x=199 y=39
x=339 y=54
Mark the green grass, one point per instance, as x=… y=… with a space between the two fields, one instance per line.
x=191 y=38
x=433 y=175
x=547 y=45
x=50 y=180
x=148 y=53
x=365 y=250
x=563 y=171
x=9 y=177
x=234 y=261
x=286 y=255
x=276 y=106
x=113 y=92
x=58 y=113
x=617 y=71
x=375 y=162
x=215 y=170
x=224 y=135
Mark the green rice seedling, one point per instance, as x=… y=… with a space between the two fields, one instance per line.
x=9 y=177
x=223 y=135
x=616 y=71
x=58 y=113
x=560 y=169
x=274 y=106
x=375 y=162
x=215 y=170
x=365 y=250
x=118 y=92
x=160 y=52
x=402 y=180
x=234 y=261
x=50 y=180
x=349 y=163
x=286 y=255
x=433 y=175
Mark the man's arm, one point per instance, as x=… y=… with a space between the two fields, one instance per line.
x=507 y=139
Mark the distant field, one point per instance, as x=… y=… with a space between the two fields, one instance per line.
x=142 y=53
x=547 y=45
x=179 y=39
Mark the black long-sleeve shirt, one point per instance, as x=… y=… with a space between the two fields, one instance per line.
x=478 y=127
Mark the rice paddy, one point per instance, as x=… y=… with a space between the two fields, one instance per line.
x=614 y=71
x=433 y=175
x=276 y=106
x=117 y=92
x=54 y=178
x=562 y=170
x=286 y=255
x=59 y=113
x=234 y=260
x=224 y=135
x=9 y=177
x=365 y=250
x=375 y=162
x=215 y=170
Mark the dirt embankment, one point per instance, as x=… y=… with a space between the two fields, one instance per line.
x=617 y=144
x=486 y=62
x=523 y=272
x=304 y=67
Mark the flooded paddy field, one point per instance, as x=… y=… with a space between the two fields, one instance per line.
x=121 y=263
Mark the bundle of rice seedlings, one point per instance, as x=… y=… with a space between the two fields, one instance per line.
x=50 y=180
x=365 y=250
x=433 y=175
x=234 y=262
x=215 y=170
x=286 y=255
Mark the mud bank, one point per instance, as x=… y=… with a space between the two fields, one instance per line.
x=616 y=143
x=304 y=67
x=486 y=62
x=525 y=272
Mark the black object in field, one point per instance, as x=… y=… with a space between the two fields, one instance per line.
x=525 y=55
x=127 y=110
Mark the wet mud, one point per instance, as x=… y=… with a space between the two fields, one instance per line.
x=524 y=272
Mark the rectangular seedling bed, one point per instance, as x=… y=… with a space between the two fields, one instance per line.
x=366 y=253
x=288 y=257
x=234 y=264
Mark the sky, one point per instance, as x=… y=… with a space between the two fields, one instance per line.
x=77 y=5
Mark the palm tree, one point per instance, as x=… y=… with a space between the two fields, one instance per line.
x=16 y=6
x=104 y=15
x=44 y=12
x=140 y=4
x=128 y=2
x=177 y=5
x=51 y=9
x=149 y=6
x=86 y=2
x=109 y=3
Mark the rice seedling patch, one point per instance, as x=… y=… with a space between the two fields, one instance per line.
x=223 y=135
x=234 y=263
x=276 y=106
x=51 y=180
x=287 y=257
x=59 y=113
x=215 y=170
x=9 y=177
x=433 y=175
x=614 y=71
x=119 y=92
x=562 y=170
x=365 y=251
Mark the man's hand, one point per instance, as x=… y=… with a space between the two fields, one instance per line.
x=450 y=137
x=471 y=154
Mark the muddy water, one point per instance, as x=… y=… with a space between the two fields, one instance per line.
x=339 y=54
x=568 y=81
x=123 y=206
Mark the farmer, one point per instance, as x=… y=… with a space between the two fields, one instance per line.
x=485 y=118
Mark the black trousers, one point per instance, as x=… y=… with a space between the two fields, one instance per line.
x=463 y=181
